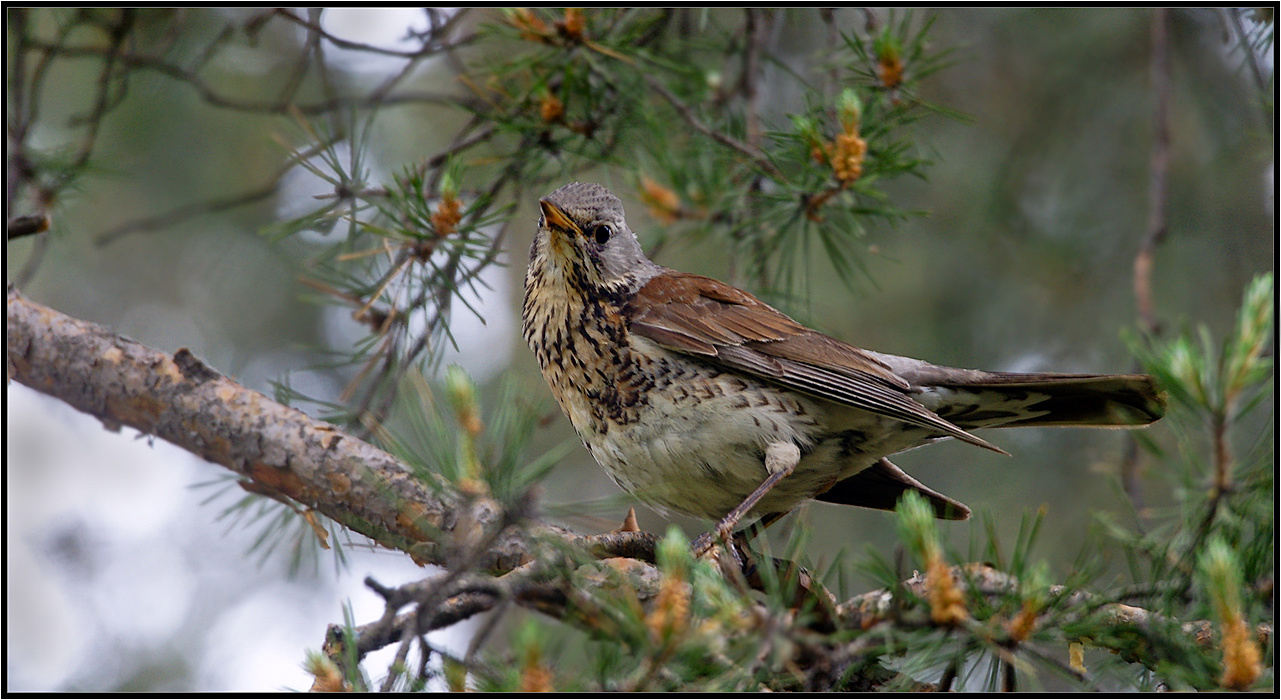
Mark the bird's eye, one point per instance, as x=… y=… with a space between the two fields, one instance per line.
x=602 y=232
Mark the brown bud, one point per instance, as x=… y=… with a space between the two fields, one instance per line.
x=573 y=24
x=444 y=220
x=551 y=109
x=663 y=203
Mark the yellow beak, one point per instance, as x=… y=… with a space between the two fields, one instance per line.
x=557 y=219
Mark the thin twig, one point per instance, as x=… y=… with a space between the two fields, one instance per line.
x=1251 y=58
x=687 y=113
x=209 y=206
x=212 y=97
x=757 y=34
x=1158 y=172
x=408 y=634
x=294 y=81
x=428 y=48
x=1158 y=204
x=93 y=120
x=833 y=78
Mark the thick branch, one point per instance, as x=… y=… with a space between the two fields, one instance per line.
x=282 y=450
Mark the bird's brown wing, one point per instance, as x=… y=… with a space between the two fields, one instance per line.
x=703 y=317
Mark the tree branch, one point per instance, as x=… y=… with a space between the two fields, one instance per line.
x=982 y=580
x=1158 y=204
x=754 y=154
x=281 y=449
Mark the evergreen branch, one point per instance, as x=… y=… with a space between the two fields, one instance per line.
x=866 y=610
x=756 y=155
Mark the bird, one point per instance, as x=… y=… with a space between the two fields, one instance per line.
x=696 y=397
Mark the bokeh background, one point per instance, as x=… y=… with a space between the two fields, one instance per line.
x=123 y=569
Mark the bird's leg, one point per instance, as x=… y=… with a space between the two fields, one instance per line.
x=781 y=459
x=738 y=545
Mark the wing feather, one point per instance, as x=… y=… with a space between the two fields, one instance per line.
x=704 y=317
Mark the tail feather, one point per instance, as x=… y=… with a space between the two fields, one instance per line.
x=972 y=399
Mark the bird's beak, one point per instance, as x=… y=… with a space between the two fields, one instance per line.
x=557 y=219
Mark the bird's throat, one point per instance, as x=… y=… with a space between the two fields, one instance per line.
x=579 y=335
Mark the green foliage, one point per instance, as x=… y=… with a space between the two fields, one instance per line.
x=1222 y=523
x=470 y=449
x=1226 y=383
x=916 y=527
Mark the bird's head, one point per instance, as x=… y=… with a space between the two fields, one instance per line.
x=583 y=236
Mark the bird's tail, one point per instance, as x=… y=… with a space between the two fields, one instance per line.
x=971 y=399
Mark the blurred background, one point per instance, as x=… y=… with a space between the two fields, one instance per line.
x=124 y=570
